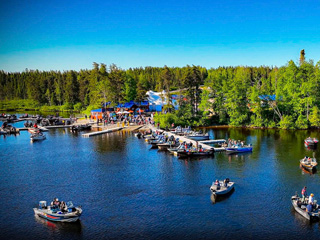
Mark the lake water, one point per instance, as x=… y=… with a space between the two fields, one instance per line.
x=129 y=191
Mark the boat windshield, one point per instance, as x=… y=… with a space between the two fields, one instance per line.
x=69 y=204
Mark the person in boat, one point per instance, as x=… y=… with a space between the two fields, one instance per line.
x=226 y=181
x=311 y=199
x=55 y=202
x=35 y=125
x=63 y=207
x=217 y=183
x=309 y=207
x=304 y=193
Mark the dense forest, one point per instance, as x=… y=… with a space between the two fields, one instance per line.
x=287 y=97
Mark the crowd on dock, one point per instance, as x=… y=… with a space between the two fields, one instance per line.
x=113 y=118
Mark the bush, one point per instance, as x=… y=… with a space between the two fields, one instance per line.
x=287 y=122
x=78 y=107
x=257 y=121
x=49 y=108
x=67 y=107
x=314 y=117
x=165 y=120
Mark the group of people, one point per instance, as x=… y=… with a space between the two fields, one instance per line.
x=225 y=183
x=60 y=205
x=311 y=203
x=123 y=118
x=235 y=143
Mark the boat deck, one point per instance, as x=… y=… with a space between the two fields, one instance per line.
x=101 y=132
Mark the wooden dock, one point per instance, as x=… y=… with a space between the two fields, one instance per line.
x=48 y=127
x=101 y=132
x=194 y=143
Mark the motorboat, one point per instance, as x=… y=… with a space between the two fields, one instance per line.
x=198 y=136
x=53 y=213
x=223 y=188
x=194 y=152
x=43 y=129
x=138 y=134
x=301 y=207
x=308 y=163
x=239 y=149
x=37 y=137
x=80 y=127
x=34 y=130
x=168 y=144
x=310 y=142
x=173 y=150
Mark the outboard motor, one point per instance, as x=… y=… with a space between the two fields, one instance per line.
x=42 y=204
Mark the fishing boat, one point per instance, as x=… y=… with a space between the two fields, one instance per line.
x=198 y=136
x=34 y=130
x=169 y=144
x=239 y=149
x=174 y=150
x=80 y=127
x=37 y=137
x=138 y=134
x=51 y=213
x=301 y=208
x=310 y=142
x=194 y=153
x=223 y=188
x=308 y=163
x=43 y=129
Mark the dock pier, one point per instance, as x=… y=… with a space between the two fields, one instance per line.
x=195 y=143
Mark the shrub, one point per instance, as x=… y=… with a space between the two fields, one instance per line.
x=302 y=122
x=287 y=122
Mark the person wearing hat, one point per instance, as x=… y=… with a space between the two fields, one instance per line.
x=304 y=193
x=311 y=198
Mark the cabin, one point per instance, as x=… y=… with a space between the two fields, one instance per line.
x=97 y=113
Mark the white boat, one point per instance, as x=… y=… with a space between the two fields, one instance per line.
x=37 y=137
x=301 y=208
x=43 y=129
x=72 y=213
x=198 y=137
x=223 y=189
x=308 y=163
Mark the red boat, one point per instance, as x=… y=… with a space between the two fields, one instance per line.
x=310 y=142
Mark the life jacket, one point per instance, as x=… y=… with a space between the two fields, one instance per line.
x=303 y=192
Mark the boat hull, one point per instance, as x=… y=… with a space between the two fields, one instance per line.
x=223 y=190
x=199 y=138
x=239 y=149
x=193 y=154
x=310 y=166
x=56 y=217
x=313 y=216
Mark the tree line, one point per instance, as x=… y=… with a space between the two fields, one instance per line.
x=287 y=97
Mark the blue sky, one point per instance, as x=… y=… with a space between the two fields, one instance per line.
x=65 y=35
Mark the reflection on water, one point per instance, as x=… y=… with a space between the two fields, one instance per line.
x=61 y=228
x=219 y=198
x=306 y=171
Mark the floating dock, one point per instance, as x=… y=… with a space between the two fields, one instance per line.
x=48 y=127
x=101 y=132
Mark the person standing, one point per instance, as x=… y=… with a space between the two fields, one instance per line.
x=311 y=199
x=304 y=193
